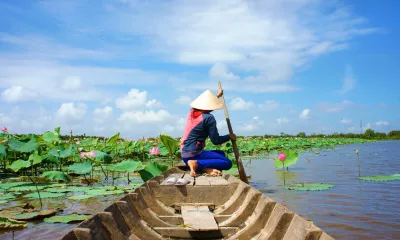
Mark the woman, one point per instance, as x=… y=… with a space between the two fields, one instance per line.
x=200 y=125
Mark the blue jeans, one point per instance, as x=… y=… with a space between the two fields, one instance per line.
x=211 y=159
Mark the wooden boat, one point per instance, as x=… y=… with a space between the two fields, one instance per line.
x=207 y=208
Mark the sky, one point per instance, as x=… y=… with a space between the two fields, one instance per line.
x=104 y=66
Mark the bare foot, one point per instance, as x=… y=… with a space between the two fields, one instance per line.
x=193 y=167
x=216 y=171
x=211 y=172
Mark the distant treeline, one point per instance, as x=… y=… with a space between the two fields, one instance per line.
x=368 y=134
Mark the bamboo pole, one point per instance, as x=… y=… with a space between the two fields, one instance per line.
x=242 y=173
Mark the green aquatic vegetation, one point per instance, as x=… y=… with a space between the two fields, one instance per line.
x=81 y=168
x=151 y=170
x=81 y=197
x=34 y=215
x=7 y=223
x=57 y=175
x=28 y=188
x=67 y=218
x=381 y=178
x=9 y=185
x=23 y=147
x=7 y=196
x=58 y=190
x=125 y=166
x=291 y=158
x=37 y=195
x=19 y=164
x=309 y=186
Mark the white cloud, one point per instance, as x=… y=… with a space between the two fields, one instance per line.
x=16 y=94
x=71 y=112
x=71 y=83
x=282 y=120
x=153 y=103
x=145 y=116
x=305 y=114
x=382 y=123
x=349 y=82
x=269 y=105
x=352 y=129
x=334 y=107
x=240 y=104
x=345 y=121
x=183 y=100
x=219 y=70
x=269 y=39
x=135 y=100
x=105 y=112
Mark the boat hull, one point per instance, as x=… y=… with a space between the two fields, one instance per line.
x=213 y=208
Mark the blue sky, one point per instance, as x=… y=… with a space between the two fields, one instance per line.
x=99 y=67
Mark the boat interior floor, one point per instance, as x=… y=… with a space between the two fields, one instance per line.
x=221 y=207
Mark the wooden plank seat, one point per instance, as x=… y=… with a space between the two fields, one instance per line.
x=198 y=218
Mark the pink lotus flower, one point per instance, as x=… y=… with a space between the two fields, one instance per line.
x=83 y=155
x=66 y=141
x=91 y=154
x=4 y=129
x=282 y=157
x=77 y=142
x=4 y=141
x=76 y=139
x=154 y=151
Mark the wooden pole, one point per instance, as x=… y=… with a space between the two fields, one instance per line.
x=242 y=173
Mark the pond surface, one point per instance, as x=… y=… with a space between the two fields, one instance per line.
x=353 y=209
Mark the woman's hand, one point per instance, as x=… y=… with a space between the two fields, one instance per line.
x=233 y=136
x=220 y=92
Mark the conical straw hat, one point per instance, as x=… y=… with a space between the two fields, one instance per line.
x=207 y=101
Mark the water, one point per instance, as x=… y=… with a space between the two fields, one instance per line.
x=353 y=209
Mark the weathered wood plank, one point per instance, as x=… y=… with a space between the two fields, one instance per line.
x=202 y=181
x=198 y=218
x=217 y=181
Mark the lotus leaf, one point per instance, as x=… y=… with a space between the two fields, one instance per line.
x=3 y=151
x=8 y=185
x=56 y=175
x=125 y=166
x=61 y=152
x=6 y=196
x=35 y=195
x=35 y=158
x=381 y=178
x=81 y=197
x=67 y=218
x=19 y=164
x=81 y=168
x=151 y=170
x=23 y=146
x=113 y=139
x=7 y=223
x=103 y=157
x=50 y=137
x=171 y=144
x=35 y=215
x=309 y=186
x=28 y=188
x=58 y=190
x=3 y=201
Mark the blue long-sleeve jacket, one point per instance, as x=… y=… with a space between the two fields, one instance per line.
x=196 y=132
